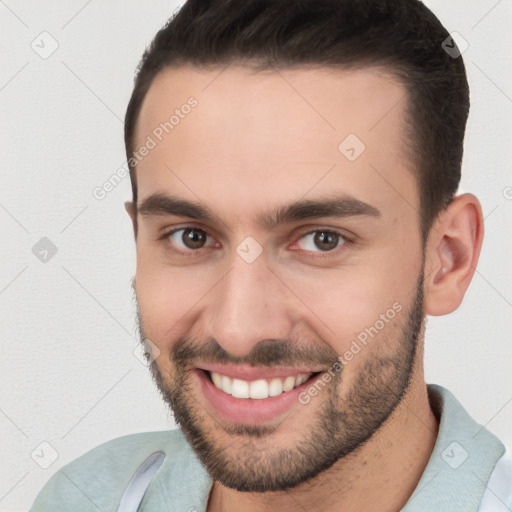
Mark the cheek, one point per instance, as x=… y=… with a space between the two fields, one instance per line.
x=355 y=304
x=168 y=301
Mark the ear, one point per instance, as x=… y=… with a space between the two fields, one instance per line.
x=130 y=208
x=452 y=253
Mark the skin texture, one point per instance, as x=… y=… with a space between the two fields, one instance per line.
x=256 y=142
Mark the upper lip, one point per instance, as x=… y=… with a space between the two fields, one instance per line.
x=250 y=373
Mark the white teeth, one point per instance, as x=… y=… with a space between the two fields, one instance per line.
x=300 y=379
x=288 y=383
x=275 y=388
x=257 y=389
x=217 y=380
x=226 y=384
x=240 y=388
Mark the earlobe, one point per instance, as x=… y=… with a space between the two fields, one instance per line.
x=452 y=254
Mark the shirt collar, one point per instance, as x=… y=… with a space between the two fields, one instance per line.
x=461 y=463
x=455 y=477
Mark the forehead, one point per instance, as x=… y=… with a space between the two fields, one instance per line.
x=266 y=137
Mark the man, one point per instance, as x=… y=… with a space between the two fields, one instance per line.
x=294 y=167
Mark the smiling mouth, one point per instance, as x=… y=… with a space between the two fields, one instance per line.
x=257 y=389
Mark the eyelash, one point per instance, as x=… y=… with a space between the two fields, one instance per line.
x=345 y=241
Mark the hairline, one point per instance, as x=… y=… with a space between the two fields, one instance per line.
x=386 y=67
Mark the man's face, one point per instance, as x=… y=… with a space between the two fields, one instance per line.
x=271 y=295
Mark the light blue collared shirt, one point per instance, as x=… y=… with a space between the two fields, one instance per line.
x=159 y=471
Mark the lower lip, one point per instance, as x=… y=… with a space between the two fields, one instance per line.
x=246 y=410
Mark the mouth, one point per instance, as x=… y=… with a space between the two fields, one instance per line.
x=251 y=395
x=257 y=389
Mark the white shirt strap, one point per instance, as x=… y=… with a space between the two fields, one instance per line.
x=498 y=494
x=137 y=486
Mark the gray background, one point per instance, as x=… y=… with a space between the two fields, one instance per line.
x=70 y=379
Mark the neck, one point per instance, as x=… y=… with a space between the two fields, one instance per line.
x=381 y=474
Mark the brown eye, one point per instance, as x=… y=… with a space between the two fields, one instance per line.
x=189 y=238
x=326 y=241
x=193 y=238
x=321 y=240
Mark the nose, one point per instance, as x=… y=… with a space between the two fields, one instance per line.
x=248 y=305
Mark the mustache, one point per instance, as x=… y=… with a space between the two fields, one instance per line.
x=268 y=352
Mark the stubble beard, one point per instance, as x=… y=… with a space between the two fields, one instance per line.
x=340 y=426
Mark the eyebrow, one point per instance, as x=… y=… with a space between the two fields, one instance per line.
x=338 y=207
